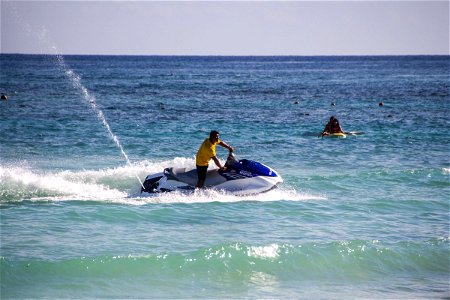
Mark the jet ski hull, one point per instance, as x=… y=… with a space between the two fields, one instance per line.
x=243 y=178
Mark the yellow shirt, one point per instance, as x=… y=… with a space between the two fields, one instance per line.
x=206 y=151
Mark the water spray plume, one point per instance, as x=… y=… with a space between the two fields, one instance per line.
x=75 y=79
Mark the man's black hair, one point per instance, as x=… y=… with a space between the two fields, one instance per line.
x=213 y=133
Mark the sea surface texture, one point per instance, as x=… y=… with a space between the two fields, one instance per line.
x=365 y=216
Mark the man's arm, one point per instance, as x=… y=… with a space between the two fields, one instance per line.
x=226 y=146
x=217 y=162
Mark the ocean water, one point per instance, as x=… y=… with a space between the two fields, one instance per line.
x=362 y=217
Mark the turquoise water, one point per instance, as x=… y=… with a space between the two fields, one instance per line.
x=362 y=217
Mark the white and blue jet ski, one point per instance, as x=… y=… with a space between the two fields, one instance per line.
x=241 y=177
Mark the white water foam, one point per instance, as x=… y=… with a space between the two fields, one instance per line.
x=64 y=185
x=207 y=196
x=264 y=252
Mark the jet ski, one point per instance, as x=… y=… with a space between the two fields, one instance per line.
x=241 y=177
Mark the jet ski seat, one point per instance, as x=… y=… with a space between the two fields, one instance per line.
x=190 y=177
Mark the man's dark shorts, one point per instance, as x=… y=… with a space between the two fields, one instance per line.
x=201 y=172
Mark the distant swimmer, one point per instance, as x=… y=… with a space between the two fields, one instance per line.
x=4 y=97
x=381 y=104
x=332 y=127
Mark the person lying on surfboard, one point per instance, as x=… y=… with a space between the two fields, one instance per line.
x=332 y=127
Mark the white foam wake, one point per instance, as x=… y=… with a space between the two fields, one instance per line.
x=26 y=184
x=118 y=185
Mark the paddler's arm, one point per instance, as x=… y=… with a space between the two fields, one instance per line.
x=226 y=146
x=326 y=130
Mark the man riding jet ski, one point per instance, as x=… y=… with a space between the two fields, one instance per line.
x=240 y=177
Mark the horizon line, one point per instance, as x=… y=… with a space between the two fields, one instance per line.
x=222 y=55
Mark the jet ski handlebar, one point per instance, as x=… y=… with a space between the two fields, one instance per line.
x=231 y=159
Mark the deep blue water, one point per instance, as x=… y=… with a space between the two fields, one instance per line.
x=366 y=216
